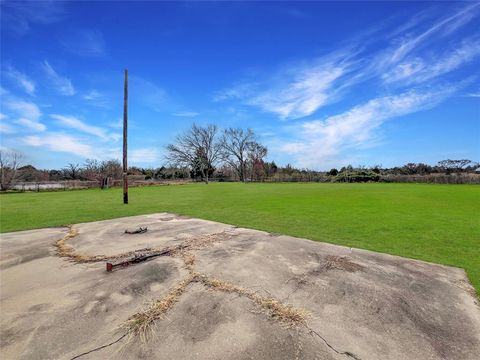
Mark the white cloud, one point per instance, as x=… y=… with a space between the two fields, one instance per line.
x=19 y=16
x=150 y=94
x=61 y=143
x=303 y=95
x=30 y=124
x=448 y=24
x=144 y=155
x=96 y=98
x=62 y=84
x=418 y=70
x=186 y=114
x=85 y=42
x=116 y=124
x=20 y=79
x=6 y=128
x=295 y=91
x=413 y=53
x=24 y=109
x=77 y=124
x=473 y=94
x=92 y=95
x=320 y=142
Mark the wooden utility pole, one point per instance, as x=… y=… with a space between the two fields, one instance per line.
x=125 y=127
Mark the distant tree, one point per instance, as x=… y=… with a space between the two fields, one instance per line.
x=9 y=164
x=91 y=170
x=256 y=155
x=112 y=169
x=72 y=171
x=450 y=166
x=236 y=144
x=198 y=148
x=55 y=175
x=333 y=172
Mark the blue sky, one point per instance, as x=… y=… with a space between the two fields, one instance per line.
x=323 y=84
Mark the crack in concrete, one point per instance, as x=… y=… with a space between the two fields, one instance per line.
x=278 y=309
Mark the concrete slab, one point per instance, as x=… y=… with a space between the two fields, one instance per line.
x=361 y=304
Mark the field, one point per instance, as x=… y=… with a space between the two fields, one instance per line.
x=436 y=223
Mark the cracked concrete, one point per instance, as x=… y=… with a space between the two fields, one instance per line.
x=369 y=305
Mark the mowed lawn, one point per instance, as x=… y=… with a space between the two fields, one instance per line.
x=437 y=223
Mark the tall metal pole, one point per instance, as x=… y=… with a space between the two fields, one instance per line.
x=125 y=127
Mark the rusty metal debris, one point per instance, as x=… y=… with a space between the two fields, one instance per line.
x=139 y=257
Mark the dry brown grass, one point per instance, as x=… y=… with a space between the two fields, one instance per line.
x=340 y=263
x=277 y=309
x=65 y=250
x=140 y=324
x=181 y=250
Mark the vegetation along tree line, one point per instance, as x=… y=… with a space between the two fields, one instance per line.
x=205 y=153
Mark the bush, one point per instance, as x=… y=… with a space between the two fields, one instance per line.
x=357 y=176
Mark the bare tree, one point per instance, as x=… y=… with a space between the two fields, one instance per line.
x=236 y=144
x=256 y=154
x=197 y=148
x=72 y=171
x=453 y=165
x=9 y=164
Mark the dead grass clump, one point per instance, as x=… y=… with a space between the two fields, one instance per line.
x=203 y=241
x=187 y=258
x=340 y=263
x=65 y=250
x=284 y=312
x=141 y=323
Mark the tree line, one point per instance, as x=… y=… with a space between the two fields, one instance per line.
x=205 y=153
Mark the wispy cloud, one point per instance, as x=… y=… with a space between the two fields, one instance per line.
x=418 y=70
x=20 y=16
x=79 y=125
x=446 y=25
x=20 y=79
x=84 y=42
x=186 y=114
x=150 y=94
x=5 y=128
x=30 y=124
x=96 y=98
x=62 y=84
x=309 y=90
x=399 y=58
x=320 y=142
x=25 y=109
x=92 y=95
x=61 y=142
x=295 y=91
x=144 y=155
x=473 y=95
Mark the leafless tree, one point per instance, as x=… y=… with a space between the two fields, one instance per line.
x=236 y=144
x=256 y=154
x=71 y=171
x=453 y=165
x=9 y=163
x=197 y=148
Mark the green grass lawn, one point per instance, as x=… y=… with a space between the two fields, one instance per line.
x=437 y=223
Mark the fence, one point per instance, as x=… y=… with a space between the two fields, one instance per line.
x=83 y=184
